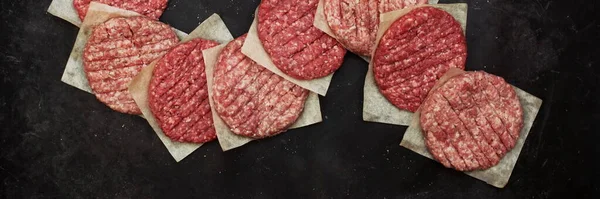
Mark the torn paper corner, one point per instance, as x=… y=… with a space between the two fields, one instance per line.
x=499 y=175
x=253 y=48
x=227 y=139
x=376 y=108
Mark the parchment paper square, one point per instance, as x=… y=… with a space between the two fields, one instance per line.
x=498 y=175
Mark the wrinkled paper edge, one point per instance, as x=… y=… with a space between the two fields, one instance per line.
x=213 y=28
x=253 y=49
x=227 y=139
x=74 y=74
x=376 y=108
x=499 y=175
x=320 y=23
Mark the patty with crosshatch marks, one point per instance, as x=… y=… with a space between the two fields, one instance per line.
x=251 y=100
x=471 y=121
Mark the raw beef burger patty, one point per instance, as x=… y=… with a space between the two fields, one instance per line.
x=149 y=8
x=117 y=50
x=178 y=95
x=414 y=52
x=355 y=23
x=253 y=101
x=471 y=121
x=297 y=48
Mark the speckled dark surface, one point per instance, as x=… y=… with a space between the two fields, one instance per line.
x=58 y=141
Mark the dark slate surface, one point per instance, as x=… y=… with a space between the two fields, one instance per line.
x=58 y=141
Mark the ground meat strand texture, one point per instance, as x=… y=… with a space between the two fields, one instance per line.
x=462 y=130
x=297 y=48
x=149 y=8
x=415 y=52
x=251 y=100
x=355 y=23
x=115 y=53
x=178 y=94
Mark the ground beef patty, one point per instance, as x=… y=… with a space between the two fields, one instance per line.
x=178 y=95
x=355 y=23
x=117 y=50
x=149 y=8
x=297 y=48
x=471 y=121
x=414 y=52
x=253 y=101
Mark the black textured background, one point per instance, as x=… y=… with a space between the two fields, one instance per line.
x=58 y=141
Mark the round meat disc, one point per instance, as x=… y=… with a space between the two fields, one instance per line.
x=117 y=50
x=253 y=101
x=415 y=52
x=149 y=8
x=178 y=95
x=355 y=23
x=471 y=121
x=297 y=48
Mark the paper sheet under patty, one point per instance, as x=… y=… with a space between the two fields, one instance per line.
x=498 y=175
x=64 y=9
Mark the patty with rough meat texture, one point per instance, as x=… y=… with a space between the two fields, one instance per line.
x=251 y=100
x=415 y=52
x=355 y=23
x=115 y=53
x=178 y=94
x=471 y=121
x=297 y=48
x=149 y=8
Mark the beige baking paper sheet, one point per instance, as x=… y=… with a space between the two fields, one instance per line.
x=212 y=28
x=253 y=48
x=376 y=108
x=98 y=13
x=64 y=9
x=498 y=175
x=227 y=139
x=321 y=22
